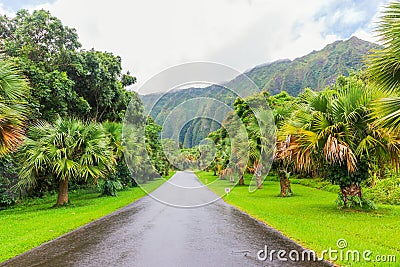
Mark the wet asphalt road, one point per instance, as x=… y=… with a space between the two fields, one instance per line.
x=150 y=233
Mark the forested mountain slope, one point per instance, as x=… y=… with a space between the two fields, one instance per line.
x=315 y=70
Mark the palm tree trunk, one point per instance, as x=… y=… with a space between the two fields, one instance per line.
x=350 y=191
x=257 y=173
x=259 y=183
x=231 y=178
x=286 y=189
x=241 y=174
x=240 y=168
x=62 y=193
x=241 y=180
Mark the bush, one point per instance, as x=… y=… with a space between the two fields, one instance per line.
x=385 y=191
x=6 y=200
x=354 y=202
x=123 y=174
x=117 y=180
x=110 y=187
x=8 y=172
x=8 y=178
x=317 y=183
x=338 y=174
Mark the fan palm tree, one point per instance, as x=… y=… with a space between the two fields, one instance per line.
x=68 y=149
x=334 y=129
x=261 y=133
x=283 y=155
x=239 y=148
x=114 y=132
x=383 y=68
x=13 y=107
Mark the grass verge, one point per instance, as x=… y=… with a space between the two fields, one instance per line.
x=35 y=222
x=311 y=218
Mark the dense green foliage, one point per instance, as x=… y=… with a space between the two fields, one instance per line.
x=195 y=130
x=385 y=191
x=89 y=85
x=8 y=179
x=329 y=134
x=58 y=81
x=153 y=146
x=65 y=81
x=315 y=70
x=336 y=123
x=345 y=131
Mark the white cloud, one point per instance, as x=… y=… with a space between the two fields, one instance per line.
x=153 y=35
x=5 y=11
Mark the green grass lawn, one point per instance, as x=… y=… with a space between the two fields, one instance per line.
x=35 y=222
x=310 y=218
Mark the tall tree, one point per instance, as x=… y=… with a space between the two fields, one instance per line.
x=43 y=48
x=98 y=79
x=283 y=156
x=65 y=80
x=154 y=147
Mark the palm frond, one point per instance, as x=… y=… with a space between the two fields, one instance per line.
x=383 y=64
x=386 y=111
x=13 y=107
x=339 y=153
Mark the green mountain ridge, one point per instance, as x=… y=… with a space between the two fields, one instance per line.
x=315 y=70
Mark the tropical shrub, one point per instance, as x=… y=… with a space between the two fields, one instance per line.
x=385 y=191
x=355 y=202
x=8 y=178
x=110 y=187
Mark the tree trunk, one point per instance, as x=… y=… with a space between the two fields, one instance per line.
x=231 y=178
x=240 y=170
x=259 y=182
x=62 y=193
x=241 y=180
x=350 y=191
x=215 y=172
x=286 y=189
x=258 y=174
x=134 y=183
x=222 y=174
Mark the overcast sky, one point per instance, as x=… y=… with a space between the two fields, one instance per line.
x=151 y=35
